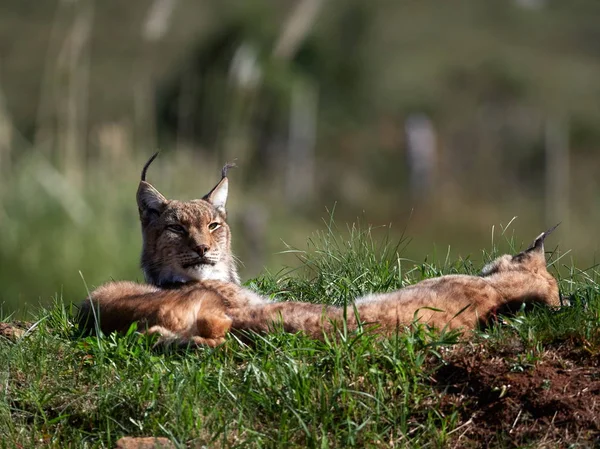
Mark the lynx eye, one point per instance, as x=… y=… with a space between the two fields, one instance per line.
x=214 y=226
x=177 y=229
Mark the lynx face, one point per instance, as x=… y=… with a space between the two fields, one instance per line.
x=185 y=241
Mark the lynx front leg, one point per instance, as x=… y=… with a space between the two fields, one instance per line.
x=211 y=330
x=201 y=341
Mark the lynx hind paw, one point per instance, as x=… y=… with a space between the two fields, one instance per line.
x=171 y=339
x=165 y=334
x=190 y=342
x=166 y=338
x=211 y=342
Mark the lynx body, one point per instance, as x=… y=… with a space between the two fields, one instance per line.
x=204 y=312
x=451 y=302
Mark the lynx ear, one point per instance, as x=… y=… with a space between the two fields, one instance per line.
x=538 y=244
x=218 y=195
x=150 y=201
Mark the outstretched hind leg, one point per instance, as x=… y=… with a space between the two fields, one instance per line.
x=162 y=331
x=213 y=334
x=201 y=341
x=166 y=337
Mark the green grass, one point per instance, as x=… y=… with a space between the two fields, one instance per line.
x=57 y=390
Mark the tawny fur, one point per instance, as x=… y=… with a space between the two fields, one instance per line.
x=185 y=241
x=450 y=302
x=194 y=312
x=204 y=312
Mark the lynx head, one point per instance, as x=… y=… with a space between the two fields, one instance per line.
x=532 y=262
x=185 y=240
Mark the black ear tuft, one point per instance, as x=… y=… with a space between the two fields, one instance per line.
x=226 y=168
x=147 y=164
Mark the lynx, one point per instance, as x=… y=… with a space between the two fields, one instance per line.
x=451 y=302
x=204 y=312
x=185 y=241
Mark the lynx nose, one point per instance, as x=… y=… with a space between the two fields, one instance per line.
x=202 y=250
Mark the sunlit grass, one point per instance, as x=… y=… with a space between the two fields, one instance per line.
x=58 y=390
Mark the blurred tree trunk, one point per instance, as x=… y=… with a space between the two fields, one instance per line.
x=557 y=171
x=6 y=134
x=421 y=146
x=65 y=89
x=72 y=120
x=300 y=166
x=156 y=24
x=299 y=170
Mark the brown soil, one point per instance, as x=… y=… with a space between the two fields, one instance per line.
x=506 y=401
x=14 y=330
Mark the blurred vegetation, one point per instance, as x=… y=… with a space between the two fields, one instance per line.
x=313 y=99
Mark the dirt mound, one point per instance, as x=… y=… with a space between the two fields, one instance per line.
x=504 y=399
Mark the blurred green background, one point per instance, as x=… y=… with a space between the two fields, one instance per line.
x=443 y=119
